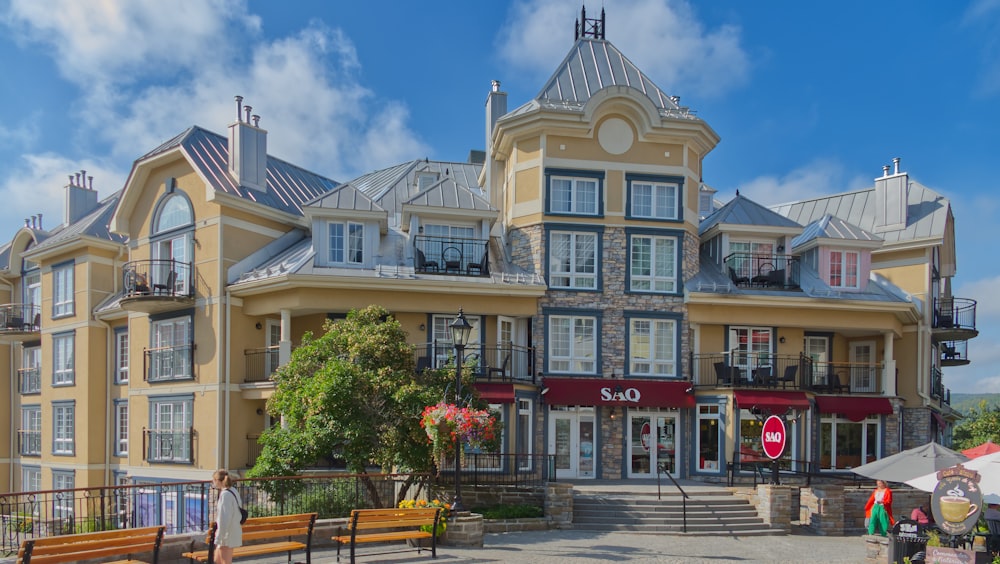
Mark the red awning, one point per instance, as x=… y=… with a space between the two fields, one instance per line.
x=496 y=393
x=942 y=424
x=854 y=408
x=625 y=393
x=775 y=402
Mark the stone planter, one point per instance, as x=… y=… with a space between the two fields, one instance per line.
x=422 y=543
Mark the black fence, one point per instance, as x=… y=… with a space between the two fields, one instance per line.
x=157 y=279
x=500 y=363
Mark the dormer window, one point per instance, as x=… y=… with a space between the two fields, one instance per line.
x=845 y=269
x=347 y=242
x=705 y=204
x=425 y=180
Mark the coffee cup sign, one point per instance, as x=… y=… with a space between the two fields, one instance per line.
x=957 y=500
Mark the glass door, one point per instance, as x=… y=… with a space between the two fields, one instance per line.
x=573 y=441
x=652 y=440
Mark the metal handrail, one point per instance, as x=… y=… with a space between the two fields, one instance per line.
x=661 y=468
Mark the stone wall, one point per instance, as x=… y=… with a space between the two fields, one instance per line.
x=916 y=426
x=487 y=496
x=559 y=505
x=774 y=506
x=855 y=498
x=464 y=529
x=821 y=509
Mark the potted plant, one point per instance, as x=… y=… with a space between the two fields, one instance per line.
x=445 y=423
x=423 y=504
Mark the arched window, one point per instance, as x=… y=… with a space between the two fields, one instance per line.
x=175 y=211
x=171 y=240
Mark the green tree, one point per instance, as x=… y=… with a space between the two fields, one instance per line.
x=354 y=390
x=980 y=424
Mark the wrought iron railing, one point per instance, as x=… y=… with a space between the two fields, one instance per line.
x=937 y=383
x=166 y=364
x=20 y=318
x=500 y=363
x=763 y=270
x=168 y=445
x=157 y=279
x=449 y=255
x=29 y=380
x=501 y=469
x=29 y=442
x=260 y=364
x=800 y=372
x=954 y=352
x=955 y=313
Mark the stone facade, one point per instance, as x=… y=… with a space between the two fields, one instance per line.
x=916 y=426
x=464 y=529
x=559 y=505
x=485 y=496
x=774 y=506
x=821 y=509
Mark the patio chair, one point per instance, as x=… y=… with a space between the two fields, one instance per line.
x=481 y=268
x=723 y=375
x=738 y=280
x=424 y=265
x=762 y=376
x=423 y=363
x=837 y=383
x=452 y=259
x=501 y=370
x=789 y=375
x=168 y=286
x=993 y=540
x=776 y=277
x=948 y=352
x=763 y=275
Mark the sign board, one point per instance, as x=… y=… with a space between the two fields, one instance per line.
x=772 y=437
x=957 y=500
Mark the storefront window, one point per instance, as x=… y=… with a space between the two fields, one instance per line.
x=845 y=444
x=750 y=448
x=708 y=438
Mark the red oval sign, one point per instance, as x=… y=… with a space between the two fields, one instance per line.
x=644 y=436
x=772 y=437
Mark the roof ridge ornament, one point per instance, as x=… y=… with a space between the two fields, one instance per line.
x=593 y=27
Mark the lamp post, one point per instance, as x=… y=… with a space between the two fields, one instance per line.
x=461 y=330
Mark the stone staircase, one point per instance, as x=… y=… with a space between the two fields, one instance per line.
x=711 y=512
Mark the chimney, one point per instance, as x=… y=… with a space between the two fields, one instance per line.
x=496 y=107
x=80 y=200
x=890 y=199
x=247 y=149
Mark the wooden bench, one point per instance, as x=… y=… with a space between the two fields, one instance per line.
x=266 y=528
x=384 y=525
x=100 y=545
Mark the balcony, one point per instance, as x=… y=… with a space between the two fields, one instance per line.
x=168 y=364
x=29 y=380
x=20 y=322
x=490 y=363
x=29 y=443
x=954 y=353
x=154 y=286
x=954 y=319
x=454 y=256
x=762 y=271
x=742 y=370
x=259 y=364
x=938 y=391
x=168 y=445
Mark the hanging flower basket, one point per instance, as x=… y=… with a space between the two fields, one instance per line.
x=445 y=422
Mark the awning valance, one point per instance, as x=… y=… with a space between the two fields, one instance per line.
x=496 y=393
x=775 y=402
x=854 y=408
x=623 y=393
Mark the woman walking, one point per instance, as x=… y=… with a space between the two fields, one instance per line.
x=229 y=533
x=878 y=510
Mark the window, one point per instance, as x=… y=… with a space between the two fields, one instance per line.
x=121 y=357
x=708 y=438
x=30 y=373
x=847 y=444
x=522 y=441
x=705 y=204
x=573 y=260
x=444 y=352
x=652 y=198
x=171 y=356
x=751 y=448
x=572 y=344
x=175 y=211
x=63 y=427
x=121 y=427
x=63 y=359
x=653 y=264
x=425 y=180
x=750 y=348
x=347 y=243
x=31 y=479
x=62 y=290
x=652 y=347
x=62 y=505
x=170 y=429
x=30 y=436
x=574 y=192
x=845 y=267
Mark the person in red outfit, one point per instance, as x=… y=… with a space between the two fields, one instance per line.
x=878 y=510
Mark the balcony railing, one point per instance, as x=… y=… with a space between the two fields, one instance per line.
x=446 y=255
x=954 y=353
x=954 y=318
x=168 y=445
x=260 y=364
x=29 y=443
x=167 y=364
x=157 y=279
x=500 y=363
x=799 y=372
x=20 y=318
x=938 y=390
x=29 y=380
x=755 y=270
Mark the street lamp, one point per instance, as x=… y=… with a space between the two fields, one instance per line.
x=461 y=330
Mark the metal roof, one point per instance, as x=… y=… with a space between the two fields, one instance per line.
x=345 y=197
x=448 y=193
x=830 y=227
x=926 y=212
x=744 y=211
x=288 y=186
x=95 y=224
x=394 y=186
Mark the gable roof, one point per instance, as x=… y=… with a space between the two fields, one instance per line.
x=833 y=228
x=395 y=186
x=744 y=211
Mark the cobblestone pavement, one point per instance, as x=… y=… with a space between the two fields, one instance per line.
x=589 y=547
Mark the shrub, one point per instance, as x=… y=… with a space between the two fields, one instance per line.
x=521 y=511
x=422 y=504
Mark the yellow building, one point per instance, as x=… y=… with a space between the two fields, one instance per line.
x=614 y=307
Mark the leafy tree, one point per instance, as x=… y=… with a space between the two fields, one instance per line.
x=980 y=424
x=355 y=390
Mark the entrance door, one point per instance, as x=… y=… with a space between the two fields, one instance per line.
x=652 y=440
x=863 y=369
x=572 y=440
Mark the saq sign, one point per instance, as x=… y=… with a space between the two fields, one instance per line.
x=772 y=437
x=628 y=394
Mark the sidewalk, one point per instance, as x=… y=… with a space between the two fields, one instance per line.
x=567 y=546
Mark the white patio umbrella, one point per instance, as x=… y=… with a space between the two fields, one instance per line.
x=988 y=467
x=911 y=463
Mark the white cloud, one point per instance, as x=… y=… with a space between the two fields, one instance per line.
x=664 y=38
x=982 y=375
x=818 y=178
x=37 y=184
x=984 y=292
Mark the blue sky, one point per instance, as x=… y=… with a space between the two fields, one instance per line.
x=809 y=98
